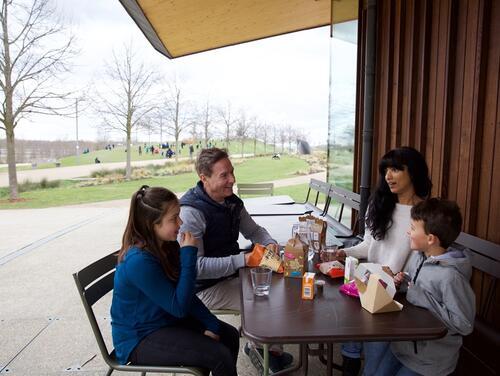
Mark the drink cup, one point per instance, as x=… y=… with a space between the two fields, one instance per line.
x=261 y=280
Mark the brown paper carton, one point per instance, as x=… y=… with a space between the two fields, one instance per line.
x=294 y=258
x=376 y=289
x=317 y=231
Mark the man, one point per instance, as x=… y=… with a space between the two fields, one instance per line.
x=216 y=216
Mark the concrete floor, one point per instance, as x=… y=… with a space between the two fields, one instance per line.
x=43 y=328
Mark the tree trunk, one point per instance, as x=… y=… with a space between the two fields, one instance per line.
x=254 y=147
x=128 y=173
x=11 y=162
x=242 y=146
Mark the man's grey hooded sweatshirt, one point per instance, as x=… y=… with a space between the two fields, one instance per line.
x=441 y=285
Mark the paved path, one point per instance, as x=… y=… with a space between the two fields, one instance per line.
x=70 y=172
x=43 y=328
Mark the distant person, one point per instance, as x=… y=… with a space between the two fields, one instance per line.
x=437 y=280
x=191 y=151
x=96 y=160
x=156 y=317
x=140 y=150
x=169 y=153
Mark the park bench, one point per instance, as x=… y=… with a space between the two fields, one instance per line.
x=317 y=189
x=255 y=189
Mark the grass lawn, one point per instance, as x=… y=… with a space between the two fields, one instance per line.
x=118 y=155
x=251 y=170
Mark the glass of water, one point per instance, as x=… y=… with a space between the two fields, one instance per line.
x=261 y=280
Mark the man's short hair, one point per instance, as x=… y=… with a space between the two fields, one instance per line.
x=207 y=158
x=441 y=218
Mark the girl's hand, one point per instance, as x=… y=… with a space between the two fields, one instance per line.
x=187 y=239
x=340 y=255
x=212 y=335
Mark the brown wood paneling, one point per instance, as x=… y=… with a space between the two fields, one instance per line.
x=438 y=89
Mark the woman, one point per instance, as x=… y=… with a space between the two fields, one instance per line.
x=403 y=182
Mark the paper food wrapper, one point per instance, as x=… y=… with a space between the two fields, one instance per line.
x=294 y=258
x=317 y=231
x=272 y=260
x=376 y=289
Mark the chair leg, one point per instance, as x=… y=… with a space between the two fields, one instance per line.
x=143 y=373
x=110 y=371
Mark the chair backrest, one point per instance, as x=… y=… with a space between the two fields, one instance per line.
x=344 y=198
x=263 y=189
x=318 y=187
x=93 y=282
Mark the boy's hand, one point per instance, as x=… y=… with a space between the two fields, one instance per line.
x=400 y=279
x=212 y=335
x=187 y=239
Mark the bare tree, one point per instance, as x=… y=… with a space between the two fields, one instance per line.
x=129 y=99
x=242 y=129
x=226 y=117
x=179 y=118
x=291 y=136
x=256 y=127
x=206 y=121
x=28 y=68
x=282 y=136
x=264 y=134
x=275 y=137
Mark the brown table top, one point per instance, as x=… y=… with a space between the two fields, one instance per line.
x=283 y=317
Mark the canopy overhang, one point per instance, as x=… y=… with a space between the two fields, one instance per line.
x=182 y=27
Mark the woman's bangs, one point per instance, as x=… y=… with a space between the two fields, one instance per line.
x=392 y=161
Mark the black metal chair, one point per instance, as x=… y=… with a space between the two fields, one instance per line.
x=95 y=281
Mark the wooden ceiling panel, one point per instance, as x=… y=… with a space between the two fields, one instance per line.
x=182 y=27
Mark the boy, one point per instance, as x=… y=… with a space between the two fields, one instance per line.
x=438 y=280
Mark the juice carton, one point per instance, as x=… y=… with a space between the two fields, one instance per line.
x=350 y=265
x=308 y=286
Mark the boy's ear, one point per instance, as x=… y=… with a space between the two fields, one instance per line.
x=433 y=240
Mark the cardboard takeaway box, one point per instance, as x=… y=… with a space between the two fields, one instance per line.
x=295 y=258
x=376 y=289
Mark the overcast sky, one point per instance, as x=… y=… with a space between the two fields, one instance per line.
x=281 y=80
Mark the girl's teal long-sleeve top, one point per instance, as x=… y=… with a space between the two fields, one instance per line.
x=145 y=300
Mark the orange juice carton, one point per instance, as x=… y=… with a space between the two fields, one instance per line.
x=308 y=286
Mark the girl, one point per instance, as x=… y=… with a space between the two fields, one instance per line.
x=403 y=182
x=156 y=317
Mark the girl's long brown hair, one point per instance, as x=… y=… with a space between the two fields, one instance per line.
x=147 y=208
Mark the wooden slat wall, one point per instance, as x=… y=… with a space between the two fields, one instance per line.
x=438 y=90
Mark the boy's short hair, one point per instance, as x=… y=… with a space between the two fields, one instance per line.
x=441 y=218
x=207 y=158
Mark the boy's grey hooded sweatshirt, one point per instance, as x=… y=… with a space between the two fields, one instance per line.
x=441 y=285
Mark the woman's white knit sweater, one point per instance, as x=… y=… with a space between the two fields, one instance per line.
x=394 y=249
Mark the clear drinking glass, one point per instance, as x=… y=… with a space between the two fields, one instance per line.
x=261 y=280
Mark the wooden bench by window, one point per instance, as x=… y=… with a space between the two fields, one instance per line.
x=256 y=189
x=340 y=198
x=480 y=351
x=317 y=189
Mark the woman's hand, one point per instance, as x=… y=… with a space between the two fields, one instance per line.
x=212 y=335
x=340 y=255
x=187 y=239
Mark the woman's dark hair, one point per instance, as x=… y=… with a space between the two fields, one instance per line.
x=383 y=201
x=147 y=208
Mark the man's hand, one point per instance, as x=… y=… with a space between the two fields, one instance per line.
x=212 y=335
x=187 y=239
